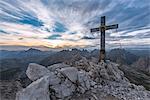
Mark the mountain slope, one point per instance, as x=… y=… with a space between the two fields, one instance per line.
x=65 y=56
x=135 y=76
x=121 y=56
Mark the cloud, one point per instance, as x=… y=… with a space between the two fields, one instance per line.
x=67 y=23
x=54 y=37
x=25 y=30
x=86 y=37
x=59 y=27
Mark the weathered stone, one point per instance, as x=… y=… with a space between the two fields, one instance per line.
x=57 y=66
x=82 y=64
x=36 y=71
x=113 y=70
x=93 y=83
x=38 y=90
x=71 y=73
x=84 y=80
x=104 y=74
x=81 y=89
x=53 y=79
x=64 y=89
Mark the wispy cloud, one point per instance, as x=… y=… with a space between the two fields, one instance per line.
x=66 y=23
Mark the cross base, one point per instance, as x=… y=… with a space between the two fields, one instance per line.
x=102 y=55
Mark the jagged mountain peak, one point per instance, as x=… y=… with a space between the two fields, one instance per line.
x=33 y=50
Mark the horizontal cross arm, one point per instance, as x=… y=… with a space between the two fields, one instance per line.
x=112 y=27
x=95 y=29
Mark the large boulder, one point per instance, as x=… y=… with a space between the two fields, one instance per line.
x=36 y=71
x=38 y=90
x=70 y=72
x=63 y=90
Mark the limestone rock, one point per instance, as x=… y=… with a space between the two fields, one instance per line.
x=64 y=89
x=54 y=79
x=36 y=71
x=82 y=64
x=84 y=81
x=57 y=66
x=38 y=90
x=62 y=82
x=70 y=72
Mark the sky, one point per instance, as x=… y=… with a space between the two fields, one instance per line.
x=56 y=24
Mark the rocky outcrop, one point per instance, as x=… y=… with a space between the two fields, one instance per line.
x=81 y=80
x=71 y=73
x=36 y=71
x=38 y=90
x=8 y=89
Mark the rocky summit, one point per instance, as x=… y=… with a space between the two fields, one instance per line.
x=81 y=80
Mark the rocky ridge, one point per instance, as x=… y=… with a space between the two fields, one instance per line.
x=80 y=80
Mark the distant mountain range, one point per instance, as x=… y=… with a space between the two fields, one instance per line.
x=22 y=54
x=120 y=56
x=13 y=59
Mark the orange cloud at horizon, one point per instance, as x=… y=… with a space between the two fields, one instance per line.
x=45 y=43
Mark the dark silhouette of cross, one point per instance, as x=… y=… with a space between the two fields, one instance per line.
x=102 y=28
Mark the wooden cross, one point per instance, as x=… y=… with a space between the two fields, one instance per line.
x=102 y=28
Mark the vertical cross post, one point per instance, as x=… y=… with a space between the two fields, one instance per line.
x=102 y=28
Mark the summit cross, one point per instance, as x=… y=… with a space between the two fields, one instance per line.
x=103 y=28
